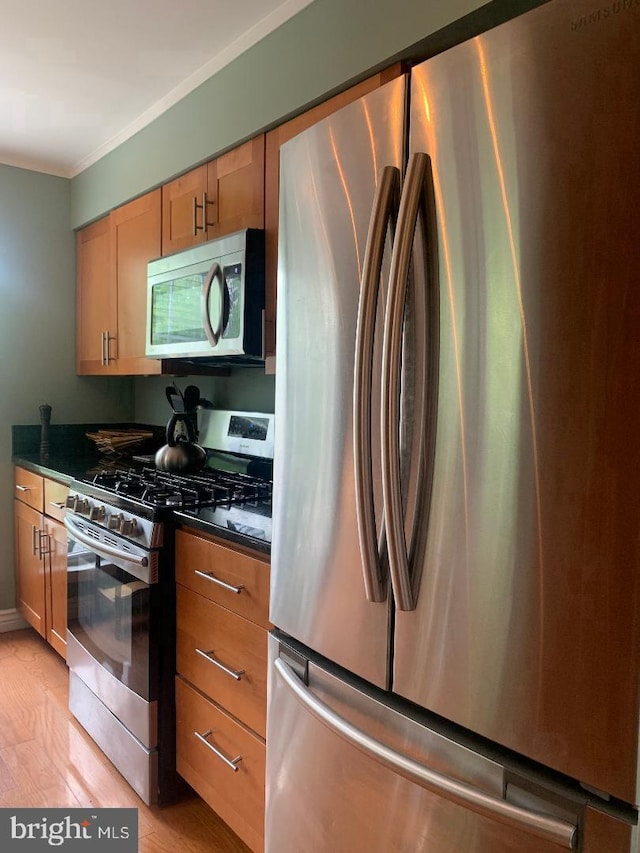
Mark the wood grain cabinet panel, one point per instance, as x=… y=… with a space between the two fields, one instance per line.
x=30 y=568
x=224 y=656
x=220 y=197
x=96 y=307
x=111 y=310
x=222 y=596
x=55 y=496
x=135 y=240
x=180 y=216
x=28 y=488
x=41 y=555
x=230 y=779
x=56 y=585
x=232 y=578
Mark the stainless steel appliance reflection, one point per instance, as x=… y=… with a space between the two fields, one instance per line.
x=455 y=561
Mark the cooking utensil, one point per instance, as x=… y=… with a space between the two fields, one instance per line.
x=191 y=398
x=182 y=453
x=175 y=398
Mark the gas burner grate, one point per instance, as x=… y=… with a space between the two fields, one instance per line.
x=210 y=487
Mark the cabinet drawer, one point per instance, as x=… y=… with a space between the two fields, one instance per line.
x=236 y=795
x=237 y=581
x=55 y=495
x=206 y=633
x=28 y=488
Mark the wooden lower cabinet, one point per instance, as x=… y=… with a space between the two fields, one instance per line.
x=225 y=655
x=222 y=594
x=223 y=761
x=41 y=555
x=30 y=567
x=56 y=585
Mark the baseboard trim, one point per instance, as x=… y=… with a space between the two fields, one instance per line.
x=11 y=620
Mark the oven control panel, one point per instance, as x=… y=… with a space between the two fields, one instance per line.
x=140 y=530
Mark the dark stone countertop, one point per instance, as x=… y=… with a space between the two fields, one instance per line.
x=60 y=466
x=209 y=521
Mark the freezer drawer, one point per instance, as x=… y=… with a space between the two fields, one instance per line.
x=326 y=790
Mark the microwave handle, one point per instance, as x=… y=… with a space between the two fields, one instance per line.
x=215 y=272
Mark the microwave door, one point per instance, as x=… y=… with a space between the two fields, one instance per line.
x=213 y=301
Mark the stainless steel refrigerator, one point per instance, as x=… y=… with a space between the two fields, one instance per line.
x=456 y=546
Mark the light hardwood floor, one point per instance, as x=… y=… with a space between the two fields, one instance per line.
x=47 y=759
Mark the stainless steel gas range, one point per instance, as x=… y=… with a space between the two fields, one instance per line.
x=121 y=594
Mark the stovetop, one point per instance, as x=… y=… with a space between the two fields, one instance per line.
x=209 y=488
x=134 y=502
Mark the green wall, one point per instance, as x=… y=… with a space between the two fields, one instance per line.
x=325 y=45
x=37 y=331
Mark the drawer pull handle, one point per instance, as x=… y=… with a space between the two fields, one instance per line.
x=211 y=577
x=230 y=762
x=58 y=504
x=23 y=488
x=234 y=673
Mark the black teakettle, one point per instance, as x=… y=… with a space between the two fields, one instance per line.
x=180 y=454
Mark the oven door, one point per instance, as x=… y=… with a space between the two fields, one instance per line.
x=110 y=608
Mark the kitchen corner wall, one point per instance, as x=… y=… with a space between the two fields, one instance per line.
x=37 y=331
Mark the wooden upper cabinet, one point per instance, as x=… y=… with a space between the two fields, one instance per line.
x=96 y=306
x=135 y=240
x=219 y=197
x=274 y=139
x=181 y=216
x=112 y=257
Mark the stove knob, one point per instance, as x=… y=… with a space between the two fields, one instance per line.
x=70 y=502
x=97 y=512
x=115 y=521
x=128 y=526
x=81 y=505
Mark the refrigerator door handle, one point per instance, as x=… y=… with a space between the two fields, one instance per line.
x=535 y=823
x=413 y=200
x=383 y=214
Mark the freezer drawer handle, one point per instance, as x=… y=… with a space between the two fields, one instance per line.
x=209 y=576
x=232 y=763
x=542 y=826
x=383 y=215
x=234 y=673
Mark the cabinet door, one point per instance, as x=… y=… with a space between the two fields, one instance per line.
x=56 y=585
x=30 y=593
x=235 y=189
x=274 y=139
x=135 y=240
x=182 y=219
x=96 y=300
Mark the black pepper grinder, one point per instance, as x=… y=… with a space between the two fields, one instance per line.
x=45 y=419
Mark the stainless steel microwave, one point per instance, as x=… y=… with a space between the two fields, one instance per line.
x=207 y=302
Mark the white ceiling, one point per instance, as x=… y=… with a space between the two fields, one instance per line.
x=78 y=77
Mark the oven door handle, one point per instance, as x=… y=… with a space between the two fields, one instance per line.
x=103 y=550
